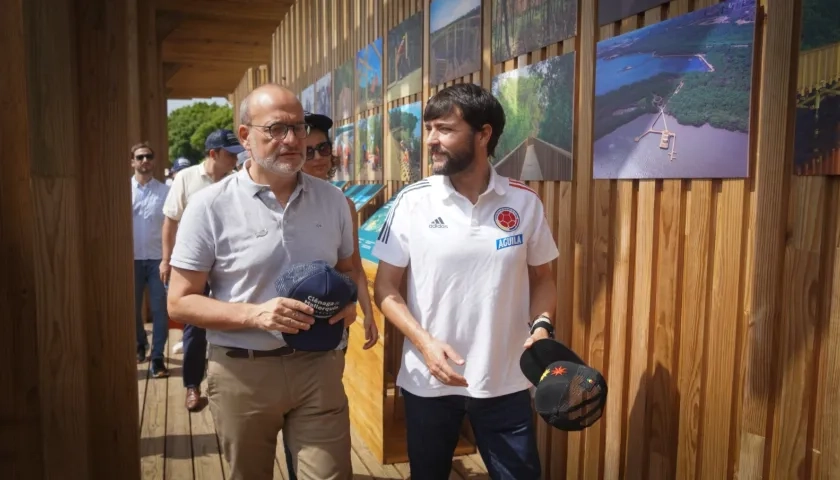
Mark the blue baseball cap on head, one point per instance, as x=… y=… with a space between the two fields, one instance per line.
x=324 y=289
x=223 y=138
x=180 y=164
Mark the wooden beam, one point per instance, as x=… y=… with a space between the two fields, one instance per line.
x=216 y=52
x=229 y=9
x=169 y=70
x=166 y=23
x=218 y=29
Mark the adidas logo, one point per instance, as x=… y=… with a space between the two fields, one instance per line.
x=438 y=223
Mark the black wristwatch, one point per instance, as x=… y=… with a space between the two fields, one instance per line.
x=542 y=322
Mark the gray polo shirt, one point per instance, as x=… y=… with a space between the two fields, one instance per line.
x=238 y=232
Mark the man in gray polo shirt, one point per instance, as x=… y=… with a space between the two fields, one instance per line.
x=238 y=235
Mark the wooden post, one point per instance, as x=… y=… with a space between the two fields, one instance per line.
x=71 y=383
x=152 y=97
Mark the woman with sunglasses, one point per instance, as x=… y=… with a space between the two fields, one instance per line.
x=321 y=163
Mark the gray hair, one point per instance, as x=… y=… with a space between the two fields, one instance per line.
x=244 y=114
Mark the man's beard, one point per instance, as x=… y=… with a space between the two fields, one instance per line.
x=274 y=164
x=456 y=162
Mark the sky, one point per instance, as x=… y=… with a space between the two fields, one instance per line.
x=372 y=59
x=176 y=104
x=444 y=12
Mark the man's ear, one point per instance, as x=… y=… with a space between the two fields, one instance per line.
x=243 y=136
x=485 y=133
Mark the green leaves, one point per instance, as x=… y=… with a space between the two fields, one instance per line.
x=189 y=126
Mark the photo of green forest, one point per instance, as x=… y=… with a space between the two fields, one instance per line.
x=817 y=135
x=454 y=39
x=522 y=26
x=369 y=148
x=820 y=24
x=405 y=142
x=343 y=91
x=673 y=100
x=610 y=11
x=369 y=76
x=539 y=107
x=405 y=60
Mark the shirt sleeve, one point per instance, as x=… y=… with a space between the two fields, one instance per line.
x=541 y=245
x=392 y=244
x=176 y=199
x=195 y=246
x=347 y=246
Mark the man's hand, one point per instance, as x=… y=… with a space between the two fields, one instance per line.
x=437 y=355
x=348 y=314
x=539 y=334
x=371 y=333
x=281 y=314
x=165 y=271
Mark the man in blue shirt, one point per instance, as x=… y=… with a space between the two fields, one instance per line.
x=147 y=197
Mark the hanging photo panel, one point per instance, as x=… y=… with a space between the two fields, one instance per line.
x=454 y=39
x=405 y=61
x=523 y=26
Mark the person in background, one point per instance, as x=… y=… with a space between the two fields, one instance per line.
x=480 y=291
x=147 y=197
x=241 y=159
x=221 y=148
x=177 y=166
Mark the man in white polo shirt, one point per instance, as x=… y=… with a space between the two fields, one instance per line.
x=480 y=289
x=239 y=235
x=220 y=147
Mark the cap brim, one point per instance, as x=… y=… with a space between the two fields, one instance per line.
x=235 y=149
x=541 y=354
x=318 y=121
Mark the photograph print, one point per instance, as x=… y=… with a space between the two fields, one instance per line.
x=672 y=100
x=454 y=39
x=323 y=95
x=538 y=100
x=343 y=91
x=343 y=149
x=817 y=135
x=405 y=47
x=369 y=148
x=522 y=26
x=610 y=11
x=405 y=142
x=307 y=98
x=369 y=76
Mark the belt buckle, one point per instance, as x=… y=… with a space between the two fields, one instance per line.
x=286 y=351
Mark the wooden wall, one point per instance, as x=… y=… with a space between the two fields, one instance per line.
x=711 y=306
x=253 y=78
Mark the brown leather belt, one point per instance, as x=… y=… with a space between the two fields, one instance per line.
x=245 y=353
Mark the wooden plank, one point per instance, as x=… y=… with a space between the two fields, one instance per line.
x=178 y=462
x=207 y=461
x=153 y=430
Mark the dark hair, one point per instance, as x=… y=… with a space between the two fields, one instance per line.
x=334 y=160
x=138 y=146
x=477 y=106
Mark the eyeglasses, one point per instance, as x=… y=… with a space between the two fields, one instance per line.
x=324 y=149
x=278 y=131
x=144 y=156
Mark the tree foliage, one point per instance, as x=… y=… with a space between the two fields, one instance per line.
x=189 y=126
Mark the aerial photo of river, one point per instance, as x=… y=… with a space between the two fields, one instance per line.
x=700 y=152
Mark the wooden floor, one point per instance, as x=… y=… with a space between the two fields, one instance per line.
x=178 y=445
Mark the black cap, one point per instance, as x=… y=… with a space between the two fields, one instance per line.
x=318 y=121
x=324 y=289
x=223 y=138
x=570 y=395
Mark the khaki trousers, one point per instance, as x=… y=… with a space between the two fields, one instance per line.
x=253 y=399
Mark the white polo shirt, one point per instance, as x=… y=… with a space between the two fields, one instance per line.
x=468 y=282
x=187 y=182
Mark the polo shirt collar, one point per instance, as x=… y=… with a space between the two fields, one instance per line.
x=253 y=188
x=444 y=189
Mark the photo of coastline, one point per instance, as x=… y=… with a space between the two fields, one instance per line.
x=521 y=26
x=673 y=100
x=539 y=107
x=610 y=11
x=454 y=39
x=405 y=63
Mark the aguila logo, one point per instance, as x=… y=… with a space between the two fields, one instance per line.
x=506 y=219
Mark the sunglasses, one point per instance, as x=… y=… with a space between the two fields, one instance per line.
x=144 y=156
x=324 y=149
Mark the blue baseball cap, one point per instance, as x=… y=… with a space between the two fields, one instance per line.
x=223 y=138
x=180 y=164
x=324 y=289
